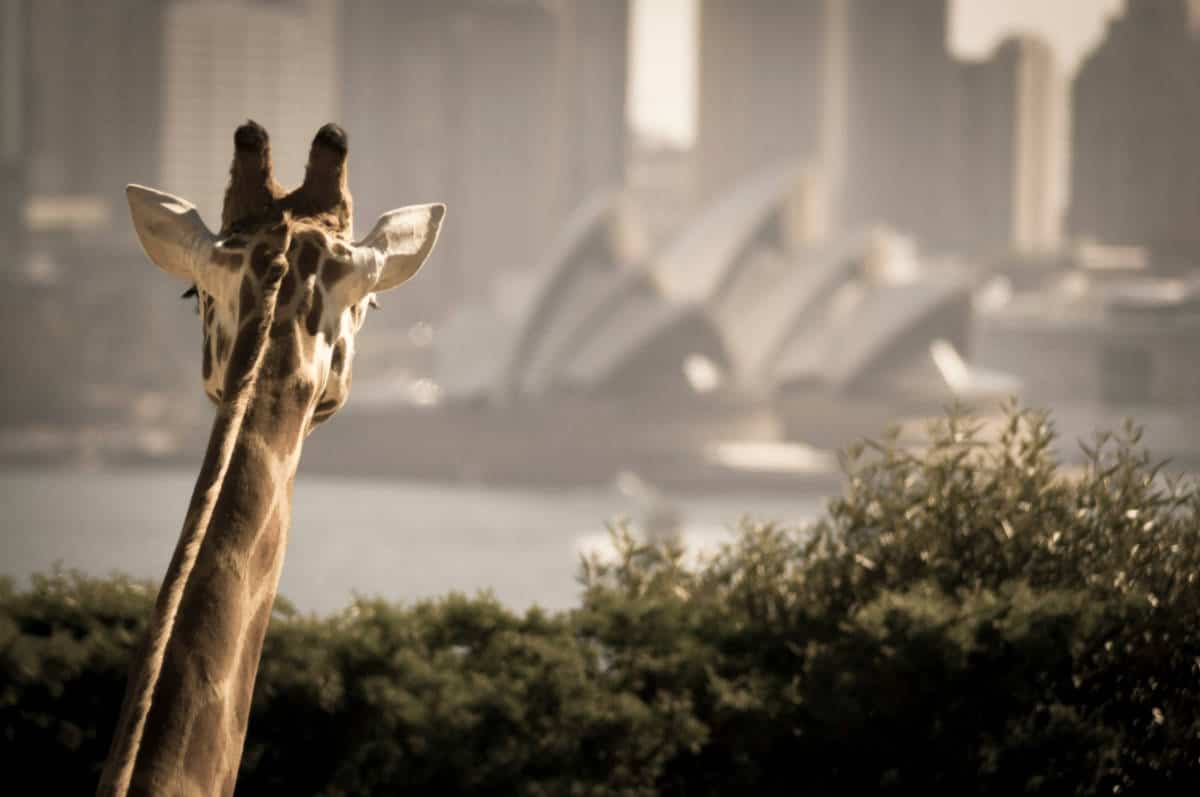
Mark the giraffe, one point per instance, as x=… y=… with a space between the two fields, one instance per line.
x=282 y=292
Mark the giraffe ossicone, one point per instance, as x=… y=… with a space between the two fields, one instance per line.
x=282 y=291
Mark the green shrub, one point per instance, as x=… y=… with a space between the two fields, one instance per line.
x=64 y=653
x=968 y=616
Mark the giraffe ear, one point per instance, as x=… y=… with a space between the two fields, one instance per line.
x=403 y=239
x=170 y=230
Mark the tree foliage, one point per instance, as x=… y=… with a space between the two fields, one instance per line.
x=967 y=616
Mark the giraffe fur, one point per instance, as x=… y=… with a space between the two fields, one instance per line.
x=282 y=293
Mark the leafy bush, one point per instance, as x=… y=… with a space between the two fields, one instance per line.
x=969 y=616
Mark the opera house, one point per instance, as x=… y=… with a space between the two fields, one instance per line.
x=744 y=326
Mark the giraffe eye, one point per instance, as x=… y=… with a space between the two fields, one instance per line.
x=192 y=293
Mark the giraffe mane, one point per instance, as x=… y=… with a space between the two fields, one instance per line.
x=181 y=727
x=227 y=428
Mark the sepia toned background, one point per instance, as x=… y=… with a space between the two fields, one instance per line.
x=693 y=248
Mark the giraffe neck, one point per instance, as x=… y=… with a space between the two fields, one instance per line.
x=184 y=719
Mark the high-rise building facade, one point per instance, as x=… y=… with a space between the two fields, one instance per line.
x=226 y=61
x=511 y=111
x=1014 y=148
x=598 y=62
x=398 y=104
x=15 y=98
x=1135 y=175
x=150 y=91
x=902 y=134
x=94 y=118
x=765 y=84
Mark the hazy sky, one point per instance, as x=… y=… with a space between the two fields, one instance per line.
x=663 y=93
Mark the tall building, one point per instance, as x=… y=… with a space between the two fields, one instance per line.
x=398 y=104
x=15 y=97
x=226 y=61
x=513 y=149
x=511 y=111
x=902 y=140
x=765 y=82
x=1135 y=176
x=1013 y=148
x=150 y=91
x=94 y=119
x=598 y=62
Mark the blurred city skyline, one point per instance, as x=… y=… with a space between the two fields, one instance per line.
x=662 y=92
x=887 y=202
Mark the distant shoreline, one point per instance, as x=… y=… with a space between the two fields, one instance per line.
x=441 y=448
x=559 y=446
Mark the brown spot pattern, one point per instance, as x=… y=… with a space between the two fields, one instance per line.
x=260 y=259
x=313 y=321
x=229 y=260
x=276 y=269
x=171 y=706
x=207 y=624
x=246 y=527
x=240 y=359
x=286 y=289
x=306 y=264
x=338 y=358
x=248 y=666
x=278 y=415
x=206 y=360
x=334 y=271
x=205 y=748
x=266 y=549
x=244 y=503
x=246 y=300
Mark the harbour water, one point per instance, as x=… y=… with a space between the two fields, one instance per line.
x=402 y=541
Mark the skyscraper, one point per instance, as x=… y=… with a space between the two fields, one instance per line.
x=1135 y=176
x=598 y=61
x=95 y=111
x=226 y=61
x=511 y=111
x=764 y=86
x=902 y=144
x=14 y=129
x=1013 y=112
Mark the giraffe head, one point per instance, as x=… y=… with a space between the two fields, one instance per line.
x=282 y=283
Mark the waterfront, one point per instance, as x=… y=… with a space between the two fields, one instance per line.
x=399 y=540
